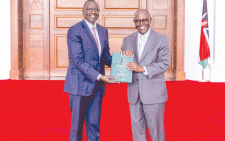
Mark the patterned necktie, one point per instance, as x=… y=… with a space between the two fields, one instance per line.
x=96 y=40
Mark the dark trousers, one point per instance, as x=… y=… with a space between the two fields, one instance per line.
x=88 y=107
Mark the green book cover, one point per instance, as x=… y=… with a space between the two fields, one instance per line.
x=118 y=68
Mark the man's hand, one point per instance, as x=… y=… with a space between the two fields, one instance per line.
x=135 y=67
x=107 y=79
x=128 y=53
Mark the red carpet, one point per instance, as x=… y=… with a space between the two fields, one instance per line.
x=39 y=111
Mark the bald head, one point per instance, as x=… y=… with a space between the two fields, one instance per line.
x=88 y=1
x=142 y=11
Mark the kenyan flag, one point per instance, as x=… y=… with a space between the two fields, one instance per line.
x=204 y=52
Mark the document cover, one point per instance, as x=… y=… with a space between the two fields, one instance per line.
x=118 y=68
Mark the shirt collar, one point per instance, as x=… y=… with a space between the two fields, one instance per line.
x=145 y=35
x=89 y=24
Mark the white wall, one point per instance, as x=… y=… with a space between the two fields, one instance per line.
x=218 y=67
x=5 y=63
x=220 y=33
x=193 y=15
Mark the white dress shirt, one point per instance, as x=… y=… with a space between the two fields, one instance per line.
x=142 y=39
x=96 y=31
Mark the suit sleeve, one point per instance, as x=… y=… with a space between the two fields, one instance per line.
x=108 y=57
x=76 y=54
x=163 y=60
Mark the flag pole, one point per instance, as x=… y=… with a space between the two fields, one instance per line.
x=214 y=33
x=203 y=74
x=204 y=50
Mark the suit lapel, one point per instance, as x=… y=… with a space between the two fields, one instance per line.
x=149 y=44
x=88 y=32
x=135 y=46
x=101 y=36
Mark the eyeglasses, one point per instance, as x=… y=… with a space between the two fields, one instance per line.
x=91 y=9
x=141 y=20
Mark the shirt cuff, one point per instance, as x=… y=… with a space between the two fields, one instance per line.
x=99 y=77
x=145 y=72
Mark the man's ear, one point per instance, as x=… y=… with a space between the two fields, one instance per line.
x=83 y=11
x=150 y=20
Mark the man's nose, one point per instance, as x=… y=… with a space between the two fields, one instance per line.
x=141 y=22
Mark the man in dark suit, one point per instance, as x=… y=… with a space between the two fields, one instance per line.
x=88 y=53
x=147 y=93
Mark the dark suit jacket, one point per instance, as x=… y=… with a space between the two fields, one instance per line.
x=156 y=59
x=84 y=61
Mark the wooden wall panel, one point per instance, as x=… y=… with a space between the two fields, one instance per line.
x=16 y=14
x=64 y=14
x=36 y=58
x=159 y=22
x=67 y=22
x=36 y=4
x=180 y=38
x=61 y=52
x=119 y=22
x=121 y=4
x=36 y=51
x=36 y=39
x=115 y=42
x=70 y=4
x=36 y=21
x=160 y=4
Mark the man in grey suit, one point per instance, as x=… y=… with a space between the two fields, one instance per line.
x=147 y=93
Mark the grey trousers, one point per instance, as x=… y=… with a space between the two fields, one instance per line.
x=147 y=114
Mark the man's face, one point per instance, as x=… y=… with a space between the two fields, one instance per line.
x=91 y=11
x=142 y=22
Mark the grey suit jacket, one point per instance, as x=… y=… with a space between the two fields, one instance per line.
x=156 y=58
